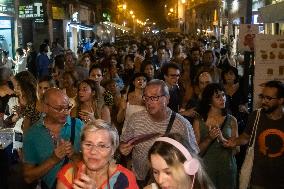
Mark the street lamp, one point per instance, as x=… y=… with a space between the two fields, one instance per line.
x=171 y=10
x=131 y=12
x=124 y=6
x=133 y=22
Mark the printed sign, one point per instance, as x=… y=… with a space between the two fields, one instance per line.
x=247 y=36
x=269 y=61
x=31 y=11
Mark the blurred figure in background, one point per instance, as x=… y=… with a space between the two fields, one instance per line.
x=31 y=59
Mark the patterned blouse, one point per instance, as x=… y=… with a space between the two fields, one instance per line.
x=121 y=178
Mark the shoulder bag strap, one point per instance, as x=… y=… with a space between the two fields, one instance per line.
x=253 y=135
x=170 y=125
x=72 y=136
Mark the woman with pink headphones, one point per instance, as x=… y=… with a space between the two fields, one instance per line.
x=174 y=167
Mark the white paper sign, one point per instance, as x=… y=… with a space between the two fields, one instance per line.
x=269 y=61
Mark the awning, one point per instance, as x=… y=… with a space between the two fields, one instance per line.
x=6 y=15
x=272 y=13
x=81 y=26
x=117 y=26
x=172 y=30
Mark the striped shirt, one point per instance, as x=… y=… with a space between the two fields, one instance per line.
x=140 y=123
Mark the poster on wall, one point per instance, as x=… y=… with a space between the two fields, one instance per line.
x=247 y=37
x=269 y=61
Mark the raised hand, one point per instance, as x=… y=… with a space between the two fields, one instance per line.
x=84 y=181
x=86 y=116
x=214 y=132
x=60 y=150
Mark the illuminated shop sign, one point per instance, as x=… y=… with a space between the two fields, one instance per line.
x=7 y=6
x=31 y=11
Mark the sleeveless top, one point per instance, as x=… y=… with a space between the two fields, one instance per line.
x=131 y=109
x=220 y=162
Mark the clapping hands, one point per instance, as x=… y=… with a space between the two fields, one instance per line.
x=64 y=148
x=84 y=181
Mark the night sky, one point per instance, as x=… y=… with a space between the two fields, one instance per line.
x=152 y=9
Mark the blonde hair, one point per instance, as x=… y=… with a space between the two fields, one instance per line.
x=183 y=180
x=175 y=159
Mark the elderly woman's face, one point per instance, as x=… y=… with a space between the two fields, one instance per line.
x=97 y=149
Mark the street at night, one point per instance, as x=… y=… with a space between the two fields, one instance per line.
x=144 y=94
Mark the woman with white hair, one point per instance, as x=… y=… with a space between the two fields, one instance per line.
x=97 y=169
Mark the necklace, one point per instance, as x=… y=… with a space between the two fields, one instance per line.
x=53 y=137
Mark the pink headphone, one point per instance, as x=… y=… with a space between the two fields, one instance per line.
x=191 y=165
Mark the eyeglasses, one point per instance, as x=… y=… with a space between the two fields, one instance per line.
x=264 y=97
x=61 y=110
x=174 y=75
x=99 y=147
x=152 y=98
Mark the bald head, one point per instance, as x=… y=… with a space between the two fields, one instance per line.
x=56 y=105
x=54 y=94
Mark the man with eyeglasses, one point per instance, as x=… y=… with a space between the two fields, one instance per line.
x=171 y=73
x=154 y=120
x=51 y=142
x=268 y=164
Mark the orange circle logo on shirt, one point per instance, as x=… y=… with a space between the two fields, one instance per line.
x=262 y=142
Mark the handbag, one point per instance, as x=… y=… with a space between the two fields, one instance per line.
x=246 y=169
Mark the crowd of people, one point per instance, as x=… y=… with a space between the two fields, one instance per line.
x=153 y=113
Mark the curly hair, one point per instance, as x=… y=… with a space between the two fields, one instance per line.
x=206 y=100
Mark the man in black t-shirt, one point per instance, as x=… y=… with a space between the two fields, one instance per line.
x=268 y=165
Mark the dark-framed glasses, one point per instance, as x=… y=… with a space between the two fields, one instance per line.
x=152 y=98
x=265 y=97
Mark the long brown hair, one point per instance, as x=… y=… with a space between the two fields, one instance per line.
x=97 y=100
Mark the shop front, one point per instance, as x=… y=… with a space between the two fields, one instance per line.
x=32 y=23
x=7 y=26
x=273 y=18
